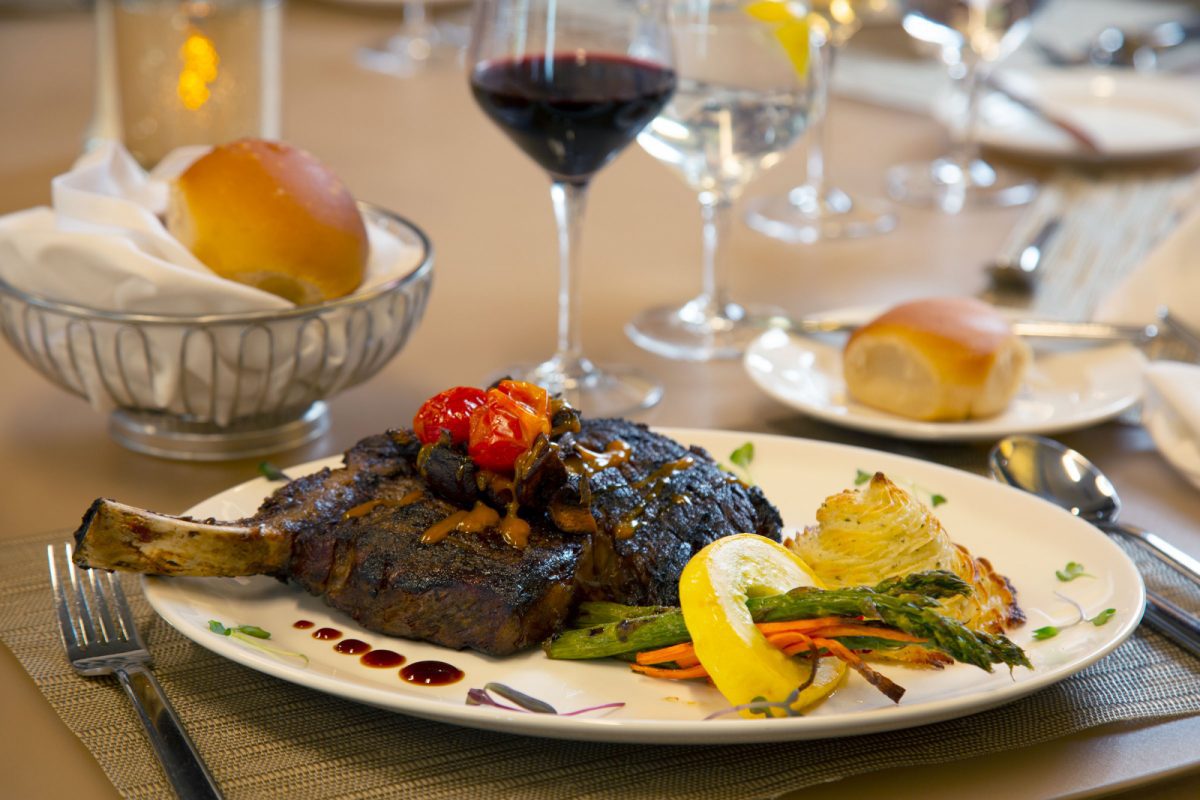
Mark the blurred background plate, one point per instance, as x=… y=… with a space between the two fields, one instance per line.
x=1131 y=114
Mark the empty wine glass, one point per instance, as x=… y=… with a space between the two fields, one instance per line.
x=971 y=36
x=817 y=210
x=742 y=100
x=572 y=82
x=419 y=43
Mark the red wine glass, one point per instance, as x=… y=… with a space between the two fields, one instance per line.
x=572 y=82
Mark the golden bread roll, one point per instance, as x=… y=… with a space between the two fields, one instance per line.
x=948 y=358
x=271 y=216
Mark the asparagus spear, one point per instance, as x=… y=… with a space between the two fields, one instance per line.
x=931 y=584
x=906 y=611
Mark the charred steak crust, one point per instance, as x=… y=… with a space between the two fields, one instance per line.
x=467 y=590
x=673 y=500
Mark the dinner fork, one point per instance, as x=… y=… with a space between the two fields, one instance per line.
x=101 y=638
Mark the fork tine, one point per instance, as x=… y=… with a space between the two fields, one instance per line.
x=85 y=609
x=66 y=625
x=107 y=628
x=124 y=612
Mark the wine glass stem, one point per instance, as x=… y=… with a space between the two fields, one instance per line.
x=416 y=21
x=715 y=212
x=822 y=64
x=570 y=200
x=964 y=147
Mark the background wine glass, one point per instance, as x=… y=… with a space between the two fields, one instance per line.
x=817 y=210
x=971 y=35
x=742 y=100
x=420 y=41
x=572 y=82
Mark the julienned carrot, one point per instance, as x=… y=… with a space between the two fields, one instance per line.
x=697 y=671
x=792 y=638
x=662 y=655
x=800 y=624
x=793 y=643
x=831 y=631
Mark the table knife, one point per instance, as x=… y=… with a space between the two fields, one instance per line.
x=1098 y=332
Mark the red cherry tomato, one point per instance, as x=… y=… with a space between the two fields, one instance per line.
x=512 y=416
x=449 y=410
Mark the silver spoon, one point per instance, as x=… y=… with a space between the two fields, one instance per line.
x=1056 y=473
x=1022 y=271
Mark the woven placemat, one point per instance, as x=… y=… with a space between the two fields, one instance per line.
x=265 y=738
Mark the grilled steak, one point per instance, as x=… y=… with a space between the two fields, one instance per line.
x=656 y=509
x=614 y=512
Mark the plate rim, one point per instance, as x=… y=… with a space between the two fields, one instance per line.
x=681 y=732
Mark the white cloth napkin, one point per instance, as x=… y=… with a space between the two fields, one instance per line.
x=1172 y=414
x=103 y=246
x=1168 y=277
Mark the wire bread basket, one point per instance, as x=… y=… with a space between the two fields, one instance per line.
x=225 y=385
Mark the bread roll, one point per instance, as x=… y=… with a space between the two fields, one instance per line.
x=271 y=216
x=950 y=358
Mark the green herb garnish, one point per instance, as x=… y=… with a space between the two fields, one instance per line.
x=272 y=472
x=1048 y=632
x=248 y=630
x=1103 y=617
x=742 y=458
x=253 y=636
x=1071 y=571
x=937 y=499
x=861 y=477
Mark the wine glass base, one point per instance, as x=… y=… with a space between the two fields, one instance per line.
x=598 y=391
x=801 y=217
x=404 y=55
x=944 y=185
x=697 y=331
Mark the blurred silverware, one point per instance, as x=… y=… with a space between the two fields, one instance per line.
x=1078 y=134
x=1120 y=47
x=1095 y=332
x=1182 y=331
x=1022 y=270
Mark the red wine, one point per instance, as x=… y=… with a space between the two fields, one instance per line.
x=572 y=112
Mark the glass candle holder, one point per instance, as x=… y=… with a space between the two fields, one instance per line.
x=187 y=72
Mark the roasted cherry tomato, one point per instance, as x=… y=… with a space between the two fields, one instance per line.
x=450 y=411
x=512 y=416
x=535 y=399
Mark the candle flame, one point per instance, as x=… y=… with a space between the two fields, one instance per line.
x=200 y=62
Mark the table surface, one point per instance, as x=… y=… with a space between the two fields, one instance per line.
x=419 y=146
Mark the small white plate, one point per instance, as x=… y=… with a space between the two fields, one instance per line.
x=1131 y=114
x=1063 y=389
x=1025 y=538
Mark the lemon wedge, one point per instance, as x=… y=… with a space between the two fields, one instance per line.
x=742 y=664
x=791 y=29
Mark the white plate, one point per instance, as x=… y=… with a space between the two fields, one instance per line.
x=1064 y=389
x=1025 y=538
x=1131 y=114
